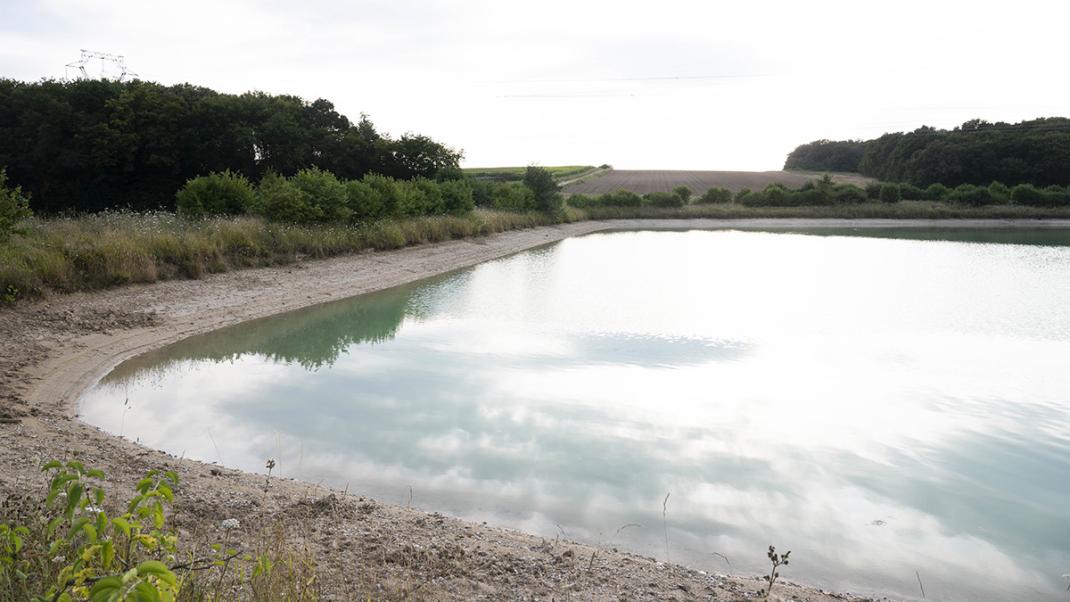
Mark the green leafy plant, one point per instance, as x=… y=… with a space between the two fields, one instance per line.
x=218 y=193
x=14 y=207
x=778 y=561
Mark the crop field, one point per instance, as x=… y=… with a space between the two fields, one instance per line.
x=560 y=172
x=644 y=181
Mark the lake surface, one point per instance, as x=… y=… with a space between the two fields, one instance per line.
x=878 y=404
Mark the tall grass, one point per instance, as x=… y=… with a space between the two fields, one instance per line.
x=111 y=249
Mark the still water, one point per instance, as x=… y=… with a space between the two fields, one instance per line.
x=881 y=405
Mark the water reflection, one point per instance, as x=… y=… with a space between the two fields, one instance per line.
x=878 y=406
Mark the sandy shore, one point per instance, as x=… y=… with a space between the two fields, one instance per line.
x=51 y=351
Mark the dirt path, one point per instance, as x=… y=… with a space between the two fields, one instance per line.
x=53 y=350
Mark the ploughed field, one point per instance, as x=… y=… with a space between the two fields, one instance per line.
x=642 y=181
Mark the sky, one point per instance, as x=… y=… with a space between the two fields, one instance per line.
x=660 y=84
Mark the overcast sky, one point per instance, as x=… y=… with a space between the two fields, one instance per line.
x=657 y=84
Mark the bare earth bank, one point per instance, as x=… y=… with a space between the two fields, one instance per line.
x=53 y=350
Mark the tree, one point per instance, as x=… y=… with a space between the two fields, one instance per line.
x=13 y=207
x=547 y=193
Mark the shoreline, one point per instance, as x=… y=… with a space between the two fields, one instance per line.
x=60 y=347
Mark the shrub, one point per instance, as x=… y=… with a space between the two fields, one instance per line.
x=325 y=193
x=890 y=193
x=873 y=191
x=1001 y=193
x=911 y=192
x=968 y=194
x=279 y=200
x=546 y=192
x=14 y=207
x=1059 y=195
x=457 y=197
x=936 y=192
x=364 y=202
x=848 y=194
x=742 y=194
x=580 y=201
x=390 y=194
x=621 y=198
x=683 y=192
x=218 y=193
x=512 y=196
x=664 y=199
x=716 y=195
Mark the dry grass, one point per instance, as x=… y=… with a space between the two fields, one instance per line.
x=111 y=249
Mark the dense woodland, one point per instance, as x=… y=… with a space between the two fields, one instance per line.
x=977 y=152
x=89 y=145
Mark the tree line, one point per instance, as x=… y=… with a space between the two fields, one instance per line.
x=90 y=145
x=977 y=152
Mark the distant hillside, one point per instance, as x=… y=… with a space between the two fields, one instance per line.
x=977 y=152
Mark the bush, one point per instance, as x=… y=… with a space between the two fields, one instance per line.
x=13 y=207
x=873 y=191
x=848 y=194
x=364 y=202
x=968 y=194
x=1059 y=195
x=936 y=192
x=324 y=193
x=279 y=200
x=621 y=198
x=911 y=192
x=512 y=196
x=664 y=199
x=683 y=192
x=544 y=188
x=1001 y=193
x=457 y=197
x=742 y=194
x=218 y=193
x=581 y=201
x=390 y=194
x=716 y=195
x=890 y=193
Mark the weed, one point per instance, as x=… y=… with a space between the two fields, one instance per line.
x=778 y=561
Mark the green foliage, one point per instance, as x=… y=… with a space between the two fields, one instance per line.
x=89 y=145
x=324 y=194
x=890 y=193
x=14 y=207
x=1031 y=196
x=827 y=155
x=873 y=191
x=512 y=196
x=716 y=195
x=663 y=199
x=683 y=192
x=580 y=201
x=280 y=200
x=977 y=152
x=1001 y=193
x=620 y=198
x=457 y=197
x=546 y=192
x=847 y=194
x=911 y=192
x=936 y=192
x=218 y=193
x=80 y=545
x=968 y=194
x=364 y=201
x=742 y=195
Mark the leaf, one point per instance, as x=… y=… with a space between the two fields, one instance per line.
x=51 y=465
x=95 y=472
x=159 y=570
x=145 y=592
x=107 y=554
x=74 y=495
x=122 y=524
x=172 y=476
x=107 y=589
x=143 y=485
x=168 y=494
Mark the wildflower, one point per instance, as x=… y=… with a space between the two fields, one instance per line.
x=230 y=523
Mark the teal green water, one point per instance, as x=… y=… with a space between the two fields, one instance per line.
x=877 y=404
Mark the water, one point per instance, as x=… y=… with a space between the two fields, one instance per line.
x=878 y=405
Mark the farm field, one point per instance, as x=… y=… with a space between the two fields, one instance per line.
x=644 y=181
x=559 y=172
